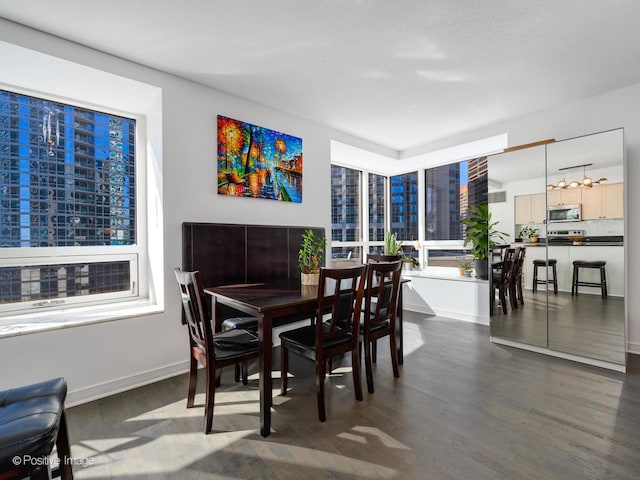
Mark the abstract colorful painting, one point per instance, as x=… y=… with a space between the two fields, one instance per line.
x=257 y=162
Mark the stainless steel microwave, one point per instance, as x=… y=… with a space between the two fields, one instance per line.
x=564 y=213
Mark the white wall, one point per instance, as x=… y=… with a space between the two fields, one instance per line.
x=107 y=357
x=602 y=112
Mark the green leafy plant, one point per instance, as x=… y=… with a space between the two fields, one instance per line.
x=391 y=245
x=311 y=252
x=466 y=264
x=480 y=231
x=528 y=232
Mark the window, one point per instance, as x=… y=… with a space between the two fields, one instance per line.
x=68 y=204
x=404 y=206
x=449 y=190
x=376 y=207
x=345 y=204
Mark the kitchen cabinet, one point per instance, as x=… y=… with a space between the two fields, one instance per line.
x=603 y=201
x=569 y=196
x=530 y=209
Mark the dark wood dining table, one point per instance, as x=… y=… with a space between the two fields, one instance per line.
x=274 y=302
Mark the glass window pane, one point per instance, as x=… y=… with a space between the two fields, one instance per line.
x=345 y=204
x=449 y=190
x=376 y=207
x=42 y=282
x=67 y=175
x=404 y=206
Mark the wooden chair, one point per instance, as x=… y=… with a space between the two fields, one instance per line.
x=500 y=276
x=515 y=278
x=341 y=290
x=375 y=258
x=383 y=286
x=232 y=347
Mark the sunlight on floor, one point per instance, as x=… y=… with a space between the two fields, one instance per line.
x=412 y=337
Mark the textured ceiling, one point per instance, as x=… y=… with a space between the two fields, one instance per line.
x=400 y=74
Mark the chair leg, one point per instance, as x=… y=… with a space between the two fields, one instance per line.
x=368 y=366
x=519 y=290
x=534 y=287
x=503 y=299
x=394 y=363
x=374 y=351
x=40 y=473
x=320 y=374
x=555 y=279
x=64 y=451
x=237 y=373
x=513 y=299
x=355 y=368
x=603 y=282
x=210 y=396
x=193 y=379
x=574 y=281
x=245 y=372
x=284 y=368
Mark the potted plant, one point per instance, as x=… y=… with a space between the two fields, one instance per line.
x=481 y=234
x=391 y=245
x=466 y=266
x=410 y=263
x=529 y=232
x=310 y=257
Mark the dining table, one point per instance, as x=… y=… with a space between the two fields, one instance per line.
x=275 y=302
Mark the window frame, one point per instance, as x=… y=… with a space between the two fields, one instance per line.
x=135 y=253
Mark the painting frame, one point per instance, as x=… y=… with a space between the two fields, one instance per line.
x=257 y=162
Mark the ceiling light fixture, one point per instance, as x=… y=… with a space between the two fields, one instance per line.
x=587 y=182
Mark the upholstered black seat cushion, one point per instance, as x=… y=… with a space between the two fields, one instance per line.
x=375 y=327
x=251 y=323
x=542 y=262
x=29 y=420
x=246 y=323
x=306 y=337
x=589 y=263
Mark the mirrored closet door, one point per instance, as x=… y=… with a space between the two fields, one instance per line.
x=562 y=204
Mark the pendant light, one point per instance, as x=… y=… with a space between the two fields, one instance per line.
x=587 y=182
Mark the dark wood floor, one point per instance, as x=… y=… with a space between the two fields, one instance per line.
x=585 y=325
x=463 y=408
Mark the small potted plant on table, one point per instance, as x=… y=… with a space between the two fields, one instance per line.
x=529 y=232
x=310 y=257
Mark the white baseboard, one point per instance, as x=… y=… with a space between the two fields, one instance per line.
x=554 y=353
x=633 y=347
x=465 y=317
x=95 y=392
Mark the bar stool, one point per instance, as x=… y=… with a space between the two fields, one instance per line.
x=599 y=264
x=545 y=263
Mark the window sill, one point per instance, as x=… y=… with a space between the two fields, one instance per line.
x=53 y=320
x=441 y=273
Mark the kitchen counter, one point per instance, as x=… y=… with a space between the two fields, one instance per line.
x=593 y=241
x=610 y=252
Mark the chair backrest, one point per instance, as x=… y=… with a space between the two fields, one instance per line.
x=340 y=292
x=195 y=311
x=507 y=265
x=518 y=263
x=374 y=257
x=383 y=284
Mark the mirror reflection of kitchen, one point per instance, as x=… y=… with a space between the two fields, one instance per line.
x=590 y=322
x=517 y=189
x=571 y=194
